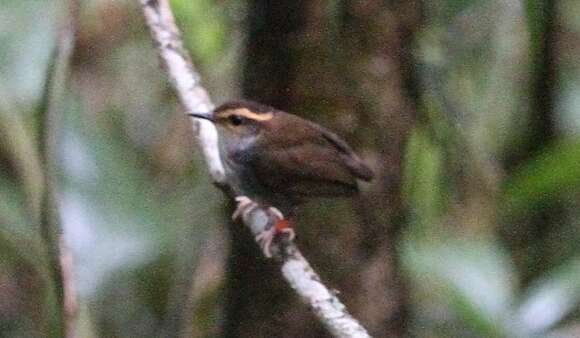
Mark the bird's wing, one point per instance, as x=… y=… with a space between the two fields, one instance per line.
x=356 y=166
x=312 y=162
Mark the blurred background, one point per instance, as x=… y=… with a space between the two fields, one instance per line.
x=468 y=110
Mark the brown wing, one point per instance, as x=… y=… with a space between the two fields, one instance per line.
x=310 y=161
x=357 y=167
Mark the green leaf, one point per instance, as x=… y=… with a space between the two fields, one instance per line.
x=423 y=188
x=536 y=20
x=473 y=277
x=550 y=175
x=203 y=25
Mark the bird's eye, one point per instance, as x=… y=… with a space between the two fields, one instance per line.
x=236 y=120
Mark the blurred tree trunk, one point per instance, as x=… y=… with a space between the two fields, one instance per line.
x=541 y=120
x=346 y=65
x=527 y=236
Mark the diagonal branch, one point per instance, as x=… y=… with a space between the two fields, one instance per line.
x=295 y=268
x=184 y=77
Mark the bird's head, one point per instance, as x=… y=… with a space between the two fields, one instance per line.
x=237 y=120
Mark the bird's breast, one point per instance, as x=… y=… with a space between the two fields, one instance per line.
x=236 y=157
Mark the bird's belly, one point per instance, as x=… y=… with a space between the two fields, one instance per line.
x=241 y=178
x=243 y=181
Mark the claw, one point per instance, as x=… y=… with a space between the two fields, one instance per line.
x=289 y=231
x=276 y=212
x=265 y=239
x=245 y=205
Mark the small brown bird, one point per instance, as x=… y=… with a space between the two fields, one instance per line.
x=279 y=159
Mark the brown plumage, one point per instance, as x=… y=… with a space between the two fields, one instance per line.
x=308 y=160
x=280 y=158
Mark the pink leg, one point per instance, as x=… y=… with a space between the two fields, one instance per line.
x=266 y=237
x=245 y=205
x=282 y=226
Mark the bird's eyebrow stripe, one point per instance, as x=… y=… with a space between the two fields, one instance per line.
x=248 y=114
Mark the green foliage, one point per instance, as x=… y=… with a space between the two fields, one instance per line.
x=119 y=214
x=552 y=175
x=424 y=188
x=476 y=280
x=536 y=20
x=551 y=298
x=473 y=278
x=204 y=27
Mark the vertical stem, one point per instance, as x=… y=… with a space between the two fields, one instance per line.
x=60 y=259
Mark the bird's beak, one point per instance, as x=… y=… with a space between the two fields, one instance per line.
x=205 y=116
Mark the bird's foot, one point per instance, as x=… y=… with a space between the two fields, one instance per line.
x=265 y=239
x=283 y=227
x=268 y=236
x=245 y=205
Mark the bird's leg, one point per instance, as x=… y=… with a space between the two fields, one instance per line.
x=245 y=205
x=282 y=226
x=266 y=237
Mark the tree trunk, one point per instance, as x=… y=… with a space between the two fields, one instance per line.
x=527 y=236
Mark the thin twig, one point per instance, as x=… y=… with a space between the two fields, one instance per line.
x=50 y=224
x=295 y=268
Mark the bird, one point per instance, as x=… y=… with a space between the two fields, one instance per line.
x=280 y=160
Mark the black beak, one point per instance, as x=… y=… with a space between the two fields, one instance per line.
x=205 y=116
